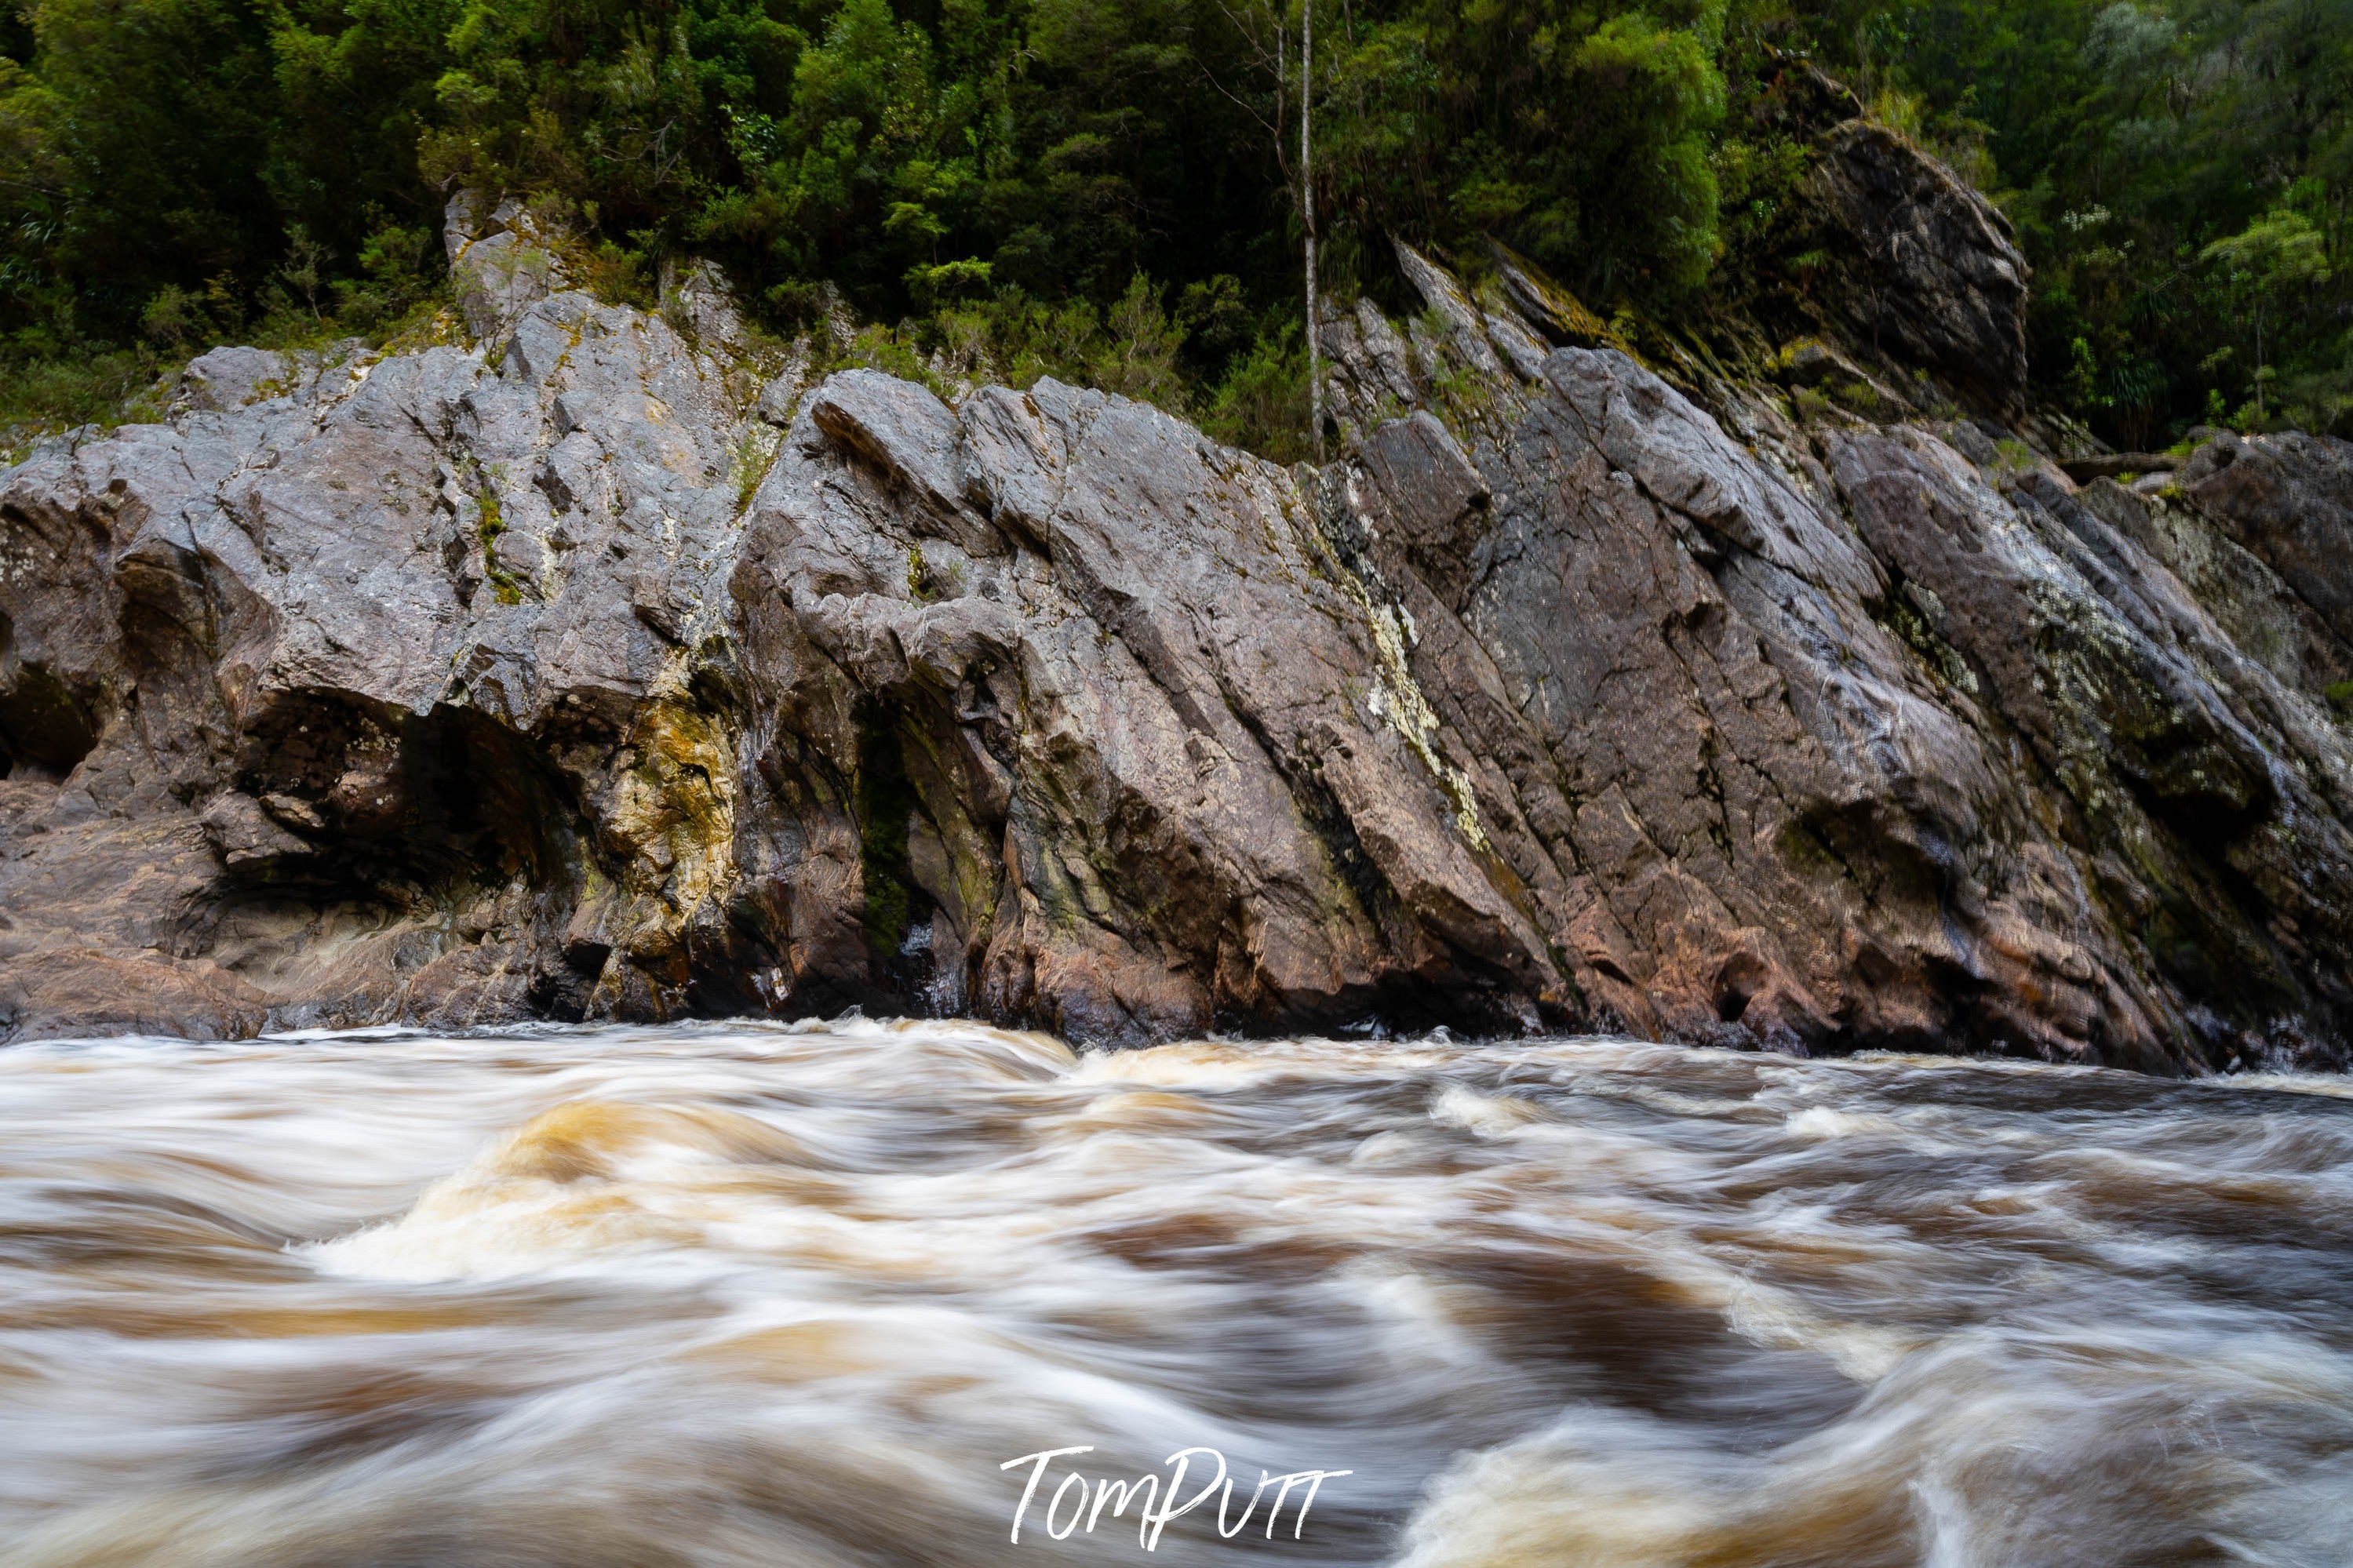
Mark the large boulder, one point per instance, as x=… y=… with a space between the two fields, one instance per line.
x=1928 y=273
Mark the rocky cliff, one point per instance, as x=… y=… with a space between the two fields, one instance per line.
x=587 y=668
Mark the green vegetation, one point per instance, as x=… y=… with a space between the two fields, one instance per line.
x=1107 y=189
x=1100 y=187
x=505 y=586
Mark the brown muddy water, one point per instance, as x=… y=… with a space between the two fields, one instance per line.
x=743 y=1295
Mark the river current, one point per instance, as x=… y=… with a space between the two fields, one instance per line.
x=734 y=1294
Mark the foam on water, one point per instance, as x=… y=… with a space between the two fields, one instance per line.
x=752 y=1295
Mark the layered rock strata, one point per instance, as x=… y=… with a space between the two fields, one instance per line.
x=579 y=670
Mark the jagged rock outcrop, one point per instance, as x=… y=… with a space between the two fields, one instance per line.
x=1931 y=273
x=546 y=677
x=2289 y=498
x=501 y=260
x=585 y=672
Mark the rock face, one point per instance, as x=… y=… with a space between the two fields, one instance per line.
x=1932 y=273
x=582 y=672
x=2290 y=499
x=499 y=261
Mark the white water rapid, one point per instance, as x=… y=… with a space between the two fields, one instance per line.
x=733 y=1294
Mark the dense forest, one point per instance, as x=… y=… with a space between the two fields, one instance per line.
x=1110 y=188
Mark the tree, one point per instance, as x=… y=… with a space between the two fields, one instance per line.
x=1307 y=219
x=2274 y=257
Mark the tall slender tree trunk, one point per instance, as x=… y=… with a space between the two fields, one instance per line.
x=2258 y=363
x=1308 y=217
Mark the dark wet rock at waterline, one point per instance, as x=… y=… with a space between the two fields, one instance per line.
x=597 y=668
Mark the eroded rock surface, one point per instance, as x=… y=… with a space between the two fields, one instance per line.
x=584 y=673
x=1933 y=277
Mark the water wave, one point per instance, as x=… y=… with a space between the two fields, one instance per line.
x=750 y=1295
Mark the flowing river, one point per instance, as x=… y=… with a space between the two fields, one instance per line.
x=734 y=1294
